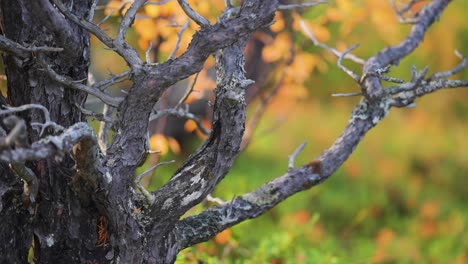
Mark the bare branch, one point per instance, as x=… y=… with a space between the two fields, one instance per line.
x=103 y=134
x=455 y=70
x=64 y=33
x=148 y=195
x=302 y=5
x=50 y=145
x=190 y=12
x=106 y=98
x=128 y=19
x=228 y=4
x=372 y=87
x=128 y=53
x=215 y=200
x=21 y=51
x=403 y=10
x=114 y=79
x=162 y=2
x=199 y=228
x=48 y=122
x=406 y=93
x=324 y=46
x=92 y=9
x=179 y=38
x=348 y=71
x=347 y=94
x=210 y=163
x=188 y=92
x=293 y=156
x=183 y=113
x=97 y=116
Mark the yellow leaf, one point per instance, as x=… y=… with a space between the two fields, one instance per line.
x=333 y=15
x=115 y=6
x=152 y=10
x=146 y=29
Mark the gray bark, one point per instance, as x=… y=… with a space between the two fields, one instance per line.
x=86 y=209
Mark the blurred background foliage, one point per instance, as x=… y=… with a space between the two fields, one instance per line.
x=402 y=197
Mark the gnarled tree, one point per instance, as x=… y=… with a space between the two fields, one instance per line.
x=73 y=198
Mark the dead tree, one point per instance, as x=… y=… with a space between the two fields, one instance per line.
x=69 y=194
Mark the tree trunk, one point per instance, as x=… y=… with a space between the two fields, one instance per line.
x=62 y=223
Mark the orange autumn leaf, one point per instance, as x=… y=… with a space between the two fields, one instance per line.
x=190 y=126
x=385 y=237
x=204 y=82
x=279 y=23
x=223 y=237
x=159 y=142
x=428 y=228
x=416 y=7
x=429 y=210
x=353 y=169
x=301 y=217
x=278 y=49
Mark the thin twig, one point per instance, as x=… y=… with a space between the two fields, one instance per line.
x=114 y=79
x=128 y=19
x=293 y=156
x=162 y=2
x=92 y=9
x=129 y=54
x=48 y=122
x=406 y=8
x=302 y=5
x=188 y=92
x=453 y=71
x=140 y=187
x=348 y=71
x=179 y=38
x=148 y=52
x=86 y=112
x=104 y=97
x=215 y=200
x=190 y=12
x=346 y=94
x=180 y=112
x=325 y=46
x=228 y=4
x=103 y=134
x=22 y=51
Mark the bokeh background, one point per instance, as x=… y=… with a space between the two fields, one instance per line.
x=402 y=197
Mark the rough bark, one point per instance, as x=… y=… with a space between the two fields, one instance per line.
x=86 y=210
x=62 y=225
